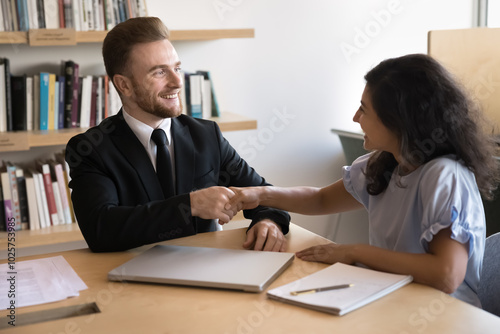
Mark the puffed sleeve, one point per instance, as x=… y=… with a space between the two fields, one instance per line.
x=450 y=198
x=355 y=180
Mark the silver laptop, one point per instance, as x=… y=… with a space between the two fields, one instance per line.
x=245 y=270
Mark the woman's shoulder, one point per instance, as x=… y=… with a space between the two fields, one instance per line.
x=446 y=170
x=449 y=163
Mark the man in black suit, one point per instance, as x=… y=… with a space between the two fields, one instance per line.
x=117 y=195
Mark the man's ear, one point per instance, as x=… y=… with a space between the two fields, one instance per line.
x=123 y=84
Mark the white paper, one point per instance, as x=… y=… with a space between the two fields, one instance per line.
x=36 y=282
x=368 y=285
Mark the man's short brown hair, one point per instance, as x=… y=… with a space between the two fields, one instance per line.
x=124 y=36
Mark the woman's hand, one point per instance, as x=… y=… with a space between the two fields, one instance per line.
x=328 y=253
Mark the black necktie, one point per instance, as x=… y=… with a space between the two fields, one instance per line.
x=163 y=163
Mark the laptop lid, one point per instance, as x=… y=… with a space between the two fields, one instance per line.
x=245 y=270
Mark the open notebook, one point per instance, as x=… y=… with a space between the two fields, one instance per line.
x=367 y=285
x=245 y=270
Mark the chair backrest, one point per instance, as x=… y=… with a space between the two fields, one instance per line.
x=352 y=144
x=489 y=286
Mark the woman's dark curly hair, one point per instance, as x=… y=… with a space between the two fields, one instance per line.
x=417 y=99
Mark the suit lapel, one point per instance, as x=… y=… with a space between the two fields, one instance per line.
x=133 y=151
x=184 y=157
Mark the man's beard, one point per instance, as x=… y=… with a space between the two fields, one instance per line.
x=151 y=104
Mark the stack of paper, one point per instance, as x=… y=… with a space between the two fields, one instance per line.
x=38 y=281
x=365 y=286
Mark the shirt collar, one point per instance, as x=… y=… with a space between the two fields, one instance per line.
x=143 y=131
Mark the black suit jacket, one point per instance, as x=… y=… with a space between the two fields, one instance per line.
x=116 y=194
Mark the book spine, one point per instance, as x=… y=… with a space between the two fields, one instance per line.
x=8 y=95
x=34 y=223
x=68 y=92
x=52 y=101
x=93 y=102
x=43 y=210
x=76 y=100
x=29 y=103
x=18 y=98
x=195 y=83
x=58 y=169
x=3 y=227
x=23 y=199
x=3 y=102
x=44 y=101
x=14 y=191
x=49 y=193
x=7 y=198
x=60 y=96
x=41 y=14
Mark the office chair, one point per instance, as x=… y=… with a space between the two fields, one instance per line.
x=489 y=286
x=352 y=144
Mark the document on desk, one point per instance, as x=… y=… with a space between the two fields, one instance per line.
x=339 y=288
x=39 y=281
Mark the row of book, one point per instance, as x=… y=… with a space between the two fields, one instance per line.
x=198 y=96
x=81 y=15
x=48 y=101
x=35 y=198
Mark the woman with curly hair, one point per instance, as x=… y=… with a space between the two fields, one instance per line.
x=421 y=184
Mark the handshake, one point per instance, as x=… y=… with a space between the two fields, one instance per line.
x=224 y=203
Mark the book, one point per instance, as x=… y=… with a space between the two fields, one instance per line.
x=23 y=198
x=44 y=169
x=215 y=111
x=93 y=101
x=29 y=103
x=86 y=100
x=195 y=89
x=3 y=227
x=14 y=194
x=34 y=222
x=41 y=14
x=36 y=102
x=3 y=98
x=51 y=11
x=206 y=95
x=43 y=210
x=367 y=286
x=8 y=94
x=32 y=14
x=18 y=98
x=52 y=101
x=13 y=10
x=22 y=11
x=68 y=69
x=75 y=121
x=6 y=194
x=44 y=101
x=56 y=105
x=58 y=171
x=60 y=101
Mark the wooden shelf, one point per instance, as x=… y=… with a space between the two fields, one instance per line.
x=61 y=234
x=45 y=236
x=24 y=140
x=20 y=37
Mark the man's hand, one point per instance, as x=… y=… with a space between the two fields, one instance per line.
x=209 y=203
x=267 y=236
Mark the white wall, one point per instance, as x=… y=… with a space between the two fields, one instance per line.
x=292 y=77
x=295 y=66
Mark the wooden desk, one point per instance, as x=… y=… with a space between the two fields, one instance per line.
x=149 y=308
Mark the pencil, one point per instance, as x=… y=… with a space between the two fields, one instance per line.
x=326 y=288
